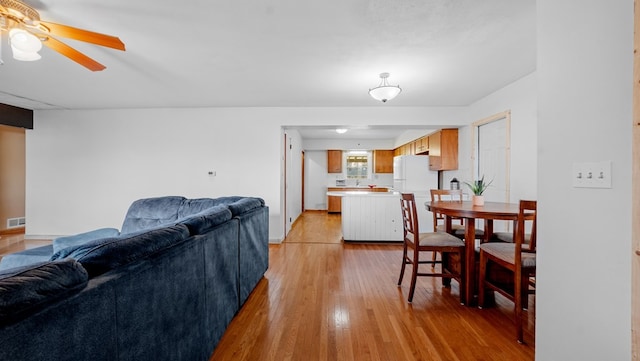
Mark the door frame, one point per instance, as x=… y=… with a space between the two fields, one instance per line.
x=635 y=192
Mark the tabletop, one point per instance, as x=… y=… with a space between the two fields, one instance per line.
x=490 y=210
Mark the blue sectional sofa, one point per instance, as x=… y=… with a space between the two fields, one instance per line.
x=164 y=287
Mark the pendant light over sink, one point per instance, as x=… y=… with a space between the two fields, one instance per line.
x=384 y=91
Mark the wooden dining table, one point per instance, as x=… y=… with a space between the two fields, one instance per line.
x=488 y=212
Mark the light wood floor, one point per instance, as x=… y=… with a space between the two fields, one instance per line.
x=322 y=299
x=11 y=243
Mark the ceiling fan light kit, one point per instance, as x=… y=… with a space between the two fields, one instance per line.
x=24 y=45
x=384 y=91
x=27 y=34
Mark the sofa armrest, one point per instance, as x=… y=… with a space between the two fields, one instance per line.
x=82 y=238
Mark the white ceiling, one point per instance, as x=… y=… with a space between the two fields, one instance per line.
x=278 y=53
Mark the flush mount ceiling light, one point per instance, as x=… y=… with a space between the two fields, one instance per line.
x=384 y=91
x=27 y=34
x=341 y=130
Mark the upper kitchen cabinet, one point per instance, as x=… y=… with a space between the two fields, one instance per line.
x=421 y=145
x=443 y=150
x=334 y=161
x=383 y=161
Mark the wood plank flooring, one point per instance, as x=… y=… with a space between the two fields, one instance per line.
x=323 y=299
x=11 y=243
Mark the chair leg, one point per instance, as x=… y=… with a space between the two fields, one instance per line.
x=404 y=263
x=525 y=291
x=433 y=258
x=517 y=293
x=462 y=280
x=445 y=267
x=414 y=275
x=481 y=277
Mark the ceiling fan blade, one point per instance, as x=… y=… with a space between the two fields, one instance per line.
x=84 y=35
x=73 y=54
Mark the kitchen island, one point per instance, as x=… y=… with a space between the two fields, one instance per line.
x=370 y=216
x=376 y=216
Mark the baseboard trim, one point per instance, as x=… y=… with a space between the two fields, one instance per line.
x=8 y=231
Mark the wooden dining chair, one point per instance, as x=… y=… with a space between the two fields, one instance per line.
x=428 y=242
x=446 y=195
x=519 y=258
x=457 y=225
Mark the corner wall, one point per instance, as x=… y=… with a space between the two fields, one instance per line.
x=585 y=78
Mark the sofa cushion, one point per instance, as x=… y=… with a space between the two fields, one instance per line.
x=245 y=205
x=105 y=254
x=78 y=239
x=26 y=257
x=193 y=206
x=206 y=220
x=23 y=290
x=151 y=212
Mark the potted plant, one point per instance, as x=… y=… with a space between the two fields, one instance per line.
x=478 y=187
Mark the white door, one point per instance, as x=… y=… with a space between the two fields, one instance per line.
x=492 y=158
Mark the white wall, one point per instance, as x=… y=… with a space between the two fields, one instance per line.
x=317 y=179
x=315 y=187
x=85 y=167
x=294 y=177
x=584 y=75
x=520 y=97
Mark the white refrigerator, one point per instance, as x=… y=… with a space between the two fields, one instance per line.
x=411 y=174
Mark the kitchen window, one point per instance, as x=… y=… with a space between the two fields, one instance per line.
x=358 y=165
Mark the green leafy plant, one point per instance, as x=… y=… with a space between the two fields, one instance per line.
x=478 y=187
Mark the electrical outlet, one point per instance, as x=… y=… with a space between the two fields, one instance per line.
x=591 y=174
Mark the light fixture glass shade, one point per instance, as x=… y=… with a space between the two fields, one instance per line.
x=24 y=45
x=341 y=130
x=384 y=91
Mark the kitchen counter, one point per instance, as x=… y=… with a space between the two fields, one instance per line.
x=334 y=203
x=363 y=194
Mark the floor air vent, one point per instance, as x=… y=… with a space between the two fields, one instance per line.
x=16 y=222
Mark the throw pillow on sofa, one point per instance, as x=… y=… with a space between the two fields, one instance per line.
x=23 y=290
x=102 y=255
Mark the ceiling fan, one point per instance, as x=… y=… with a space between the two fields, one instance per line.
x=27 y=33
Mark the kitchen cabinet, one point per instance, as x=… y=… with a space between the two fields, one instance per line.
x=421 y=145
x=443 y=150
x=334 y=161
x=383 y=161
x=334 y=203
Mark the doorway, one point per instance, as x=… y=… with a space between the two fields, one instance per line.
x=12 y=179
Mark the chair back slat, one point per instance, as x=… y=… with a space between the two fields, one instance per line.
x=409 y=217
x=444 y=195
x=527 y=217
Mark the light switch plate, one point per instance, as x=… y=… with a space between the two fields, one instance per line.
x=591 y=174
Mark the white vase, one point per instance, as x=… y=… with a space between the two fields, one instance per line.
x=477 y=200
